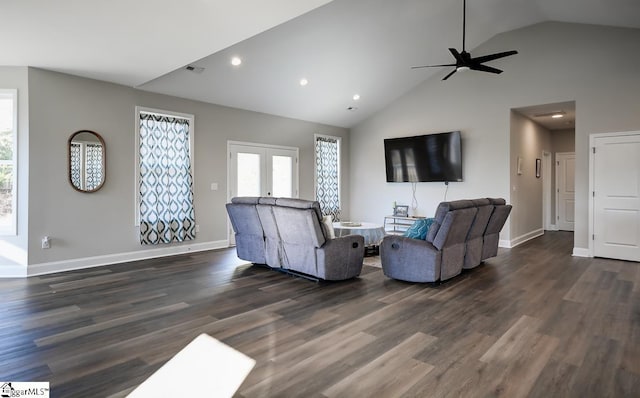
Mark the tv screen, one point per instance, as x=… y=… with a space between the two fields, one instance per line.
x=424 y=158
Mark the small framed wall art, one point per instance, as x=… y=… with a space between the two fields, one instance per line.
x=401 y=211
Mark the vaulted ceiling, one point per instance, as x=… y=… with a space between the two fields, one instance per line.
x=342 y=47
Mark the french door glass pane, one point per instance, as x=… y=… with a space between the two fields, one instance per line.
x=282 y=167
x=248 y=174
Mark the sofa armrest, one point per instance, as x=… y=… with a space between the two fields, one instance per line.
x=408 y=259
x=341 y=258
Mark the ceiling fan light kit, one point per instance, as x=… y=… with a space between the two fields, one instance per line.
x=464 y=60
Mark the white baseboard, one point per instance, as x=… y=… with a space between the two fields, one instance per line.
x=553 y=227
x=581 y=252
x=90 y=262
x=509 y=244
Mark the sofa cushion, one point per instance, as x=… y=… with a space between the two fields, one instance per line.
x=299 y=226
x=497 y=201
x=301 y=204
x=441 y=212
x=245 y=200
x=419 y=229
x=267 y=200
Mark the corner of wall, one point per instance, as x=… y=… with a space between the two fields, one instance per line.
x=581 y=252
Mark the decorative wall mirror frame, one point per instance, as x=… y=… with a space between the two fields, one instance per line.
x=87 y=161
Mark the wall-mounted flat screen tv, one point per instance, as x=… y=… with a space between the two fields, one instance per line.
x=424 y=158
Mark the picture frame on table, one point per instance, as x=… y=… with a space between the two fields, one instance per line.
x=401 y=211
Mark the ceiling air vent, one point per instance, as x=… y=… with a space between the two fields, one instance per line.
x=194 y=69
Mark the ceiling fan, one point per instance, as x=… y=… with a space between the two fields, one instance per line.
x=464 y=61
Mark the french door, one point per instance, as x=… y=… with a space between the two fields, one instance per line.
x=261 y=170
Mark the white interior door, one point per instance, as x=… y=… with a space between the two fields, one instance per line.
x=616 y=197
x=261 y=170
x=565 y=190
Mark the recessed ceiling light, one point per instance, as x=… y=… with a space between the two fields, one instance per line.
x=304 y=82
x=356 y=97
x=235 y=61
x=557 y=116
x=550 y=114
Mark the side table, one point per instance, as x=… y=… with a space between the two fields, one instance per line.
x=373 y=234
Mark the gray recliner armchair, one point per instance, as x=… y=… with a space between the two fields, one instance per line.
x=440 y=256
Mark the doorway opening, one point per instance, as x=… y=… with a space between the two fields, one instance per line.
x=540 y=134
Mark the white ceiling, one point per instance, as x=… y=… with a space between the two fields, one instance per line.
x=131 y=41
x=342 y=47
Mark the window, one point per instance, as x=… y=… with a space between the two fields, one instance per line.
x=8 y=161
x=327 y=170
x=164 y=176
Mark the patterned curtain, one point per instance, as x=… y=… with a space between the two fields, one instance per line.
x=327 y=176
x=76 y=176
x=166 y=184
x=93 y=169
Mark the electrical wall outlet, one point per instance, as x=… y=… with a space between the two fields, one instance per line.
x=46 y=242
x=197 y=228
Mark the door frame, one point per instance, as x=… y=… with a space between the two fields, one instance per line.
x=547 y=167
x=592 y=175
x=296 y=179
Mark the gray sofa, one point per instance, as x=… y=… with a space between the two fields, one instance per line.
x=463 y=234
x=288 y=234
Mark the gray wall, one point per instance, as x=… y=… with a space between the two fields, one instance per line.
x=563 y=140
x=557 y=62
x=14 y=249
x=528 y=139
x=102 y=223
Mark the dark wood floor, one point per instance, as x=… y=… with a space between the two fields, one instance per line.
x=532 y=322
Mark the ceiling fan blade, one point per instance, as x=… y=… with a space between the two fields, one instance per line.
x=449 y=75
x=431 y=66
x=485 y=68
x=492 y=57
x=457 y=56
